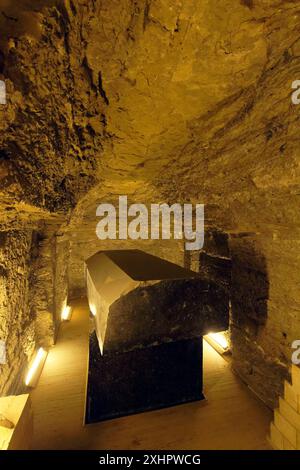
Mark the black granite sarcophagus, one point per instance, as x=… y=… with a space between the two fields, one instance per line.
x=150 y=316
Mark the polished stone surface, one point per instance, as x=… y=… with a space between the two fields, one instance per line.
x=144 y=379
x=141 y=300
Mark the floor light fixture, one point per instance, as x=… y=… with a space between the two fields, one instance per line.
x=66 y=313
x=218 y=341
x=36 y=368
x=93 y=309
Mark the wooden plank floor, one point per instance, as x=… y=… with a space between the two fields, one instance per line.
x=231 y=418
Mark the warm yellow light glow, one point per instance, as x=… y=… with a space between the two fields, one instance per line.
x=66 y=313
x=36 y=367
x=220 y=339
x=93 y=309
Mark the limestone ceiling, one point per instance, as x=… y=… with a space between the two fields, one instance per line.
x=161 y=100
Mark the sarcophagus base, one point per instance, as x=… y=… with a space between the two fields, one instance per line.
x=143 y=379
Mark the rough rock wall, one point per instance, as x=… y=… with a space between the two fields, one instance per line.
x=47 y=138
x=43 y=266
x=49 y=289
x=16 y=317
x=215 y=259
x=261 y=272
x=61 y=293
x=33 y=279
x=265 y=310
x=48 y=148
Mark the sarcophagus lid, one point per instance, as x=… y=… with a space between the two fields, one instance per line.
x=140 y=300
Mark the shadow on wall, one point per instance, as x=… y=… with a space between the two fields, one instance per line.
x=250 y=285
x=237 y=266
x=215 y=260
x=249 y=314
x=237 y=263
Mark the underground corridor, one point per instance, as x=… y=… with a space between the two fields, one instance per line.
x=149 y=230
